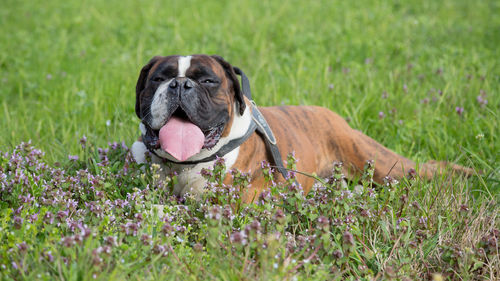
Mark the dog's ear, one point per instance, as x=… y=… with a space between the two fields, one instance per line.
x=141 y=84
x=238 y=93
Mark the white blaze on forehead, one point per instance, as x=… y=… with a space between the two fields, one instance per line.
x=184 y=64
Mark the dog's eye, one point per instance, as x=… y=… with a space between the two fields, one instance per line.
x=158 y=79
x=208 y=81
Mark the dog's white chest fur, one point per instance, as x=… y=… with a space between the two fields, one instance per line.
x=189 y=177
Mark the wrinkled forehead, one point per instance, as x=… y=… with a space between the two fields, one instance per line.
x=187 y=66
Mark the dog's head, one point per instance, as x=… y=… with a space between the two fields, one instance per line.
x=195 y=96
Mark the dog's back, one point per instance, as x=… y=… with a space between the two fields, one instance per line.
x=319 y=137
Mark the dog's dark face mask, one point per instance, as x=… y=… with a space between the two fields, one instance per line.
x=194 y=95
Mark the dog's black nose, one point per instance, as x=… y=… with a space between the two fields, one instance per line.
x=188 y=84
x=173 y=84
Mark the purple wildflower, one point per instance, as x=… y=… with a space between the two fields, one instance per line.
x=33 y=217
x=481 y=99
x=219 y=161
x=61 y=215
x=227 y=213
x=48 y=256
x=15 y=265
x=422 y=221
x=348 y=238
x=96 y=258
x=146 y=239
x=464 y=208
x=139 y=217
x=83 y=141
x=238 y=237
x=78 y=239
x=323 y=222
x=73 y=157
x=48 y=218
x=337 y=254
x=18 y=222
x=180 y=228
x=198 y=247
x=214 y=213
x=255 y=226
x=279 y=216
x=110 y=240
x=130 y=228
x=68 y=241
x=459 y=110
x=159 y=249
x=412 y=173
x=22 y=247
x=167 y=229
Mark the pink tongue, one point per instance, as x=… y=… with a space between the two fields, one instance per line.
x=181 y=138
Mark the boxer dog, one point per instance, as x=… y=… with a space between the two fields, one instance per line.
x=193 y=108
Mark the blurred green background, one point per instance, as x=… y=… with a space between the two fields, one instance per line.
x=397 y=70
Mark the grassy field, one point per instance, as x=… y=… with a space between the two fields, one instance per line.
x=421 y=77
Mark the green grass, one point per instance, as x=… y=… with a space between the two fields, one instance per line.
x=94 y=51
x=67 y=67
